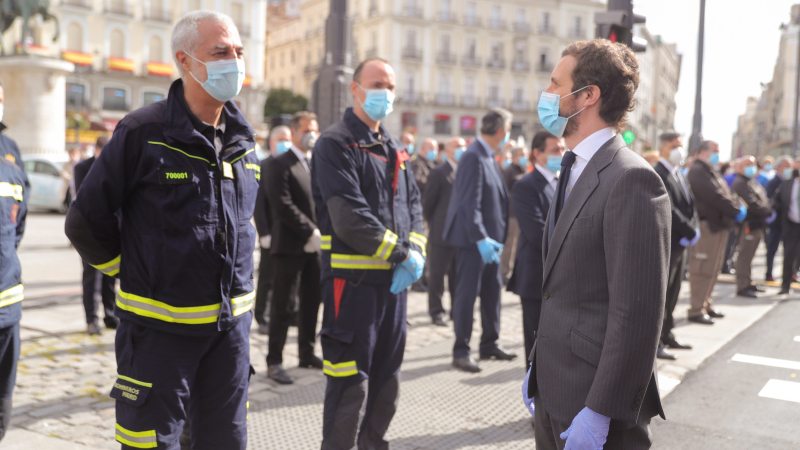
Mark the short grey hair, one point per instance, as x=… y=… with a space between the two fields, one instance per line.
x=185 y=35
x=783 y=159
x=278 y=129
x=494 y=120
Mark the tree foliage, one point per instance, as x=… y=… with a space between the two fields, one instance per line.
x=284 y=101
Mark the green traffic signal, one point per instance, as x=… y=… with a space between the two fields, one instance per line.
x=629 y=137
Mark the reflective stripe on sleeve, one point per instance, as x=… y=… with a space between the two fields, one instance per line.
x=11 y=296
x=358 y=262
x=243 y=304
x=11 y=190
x=158 y=310
x=136 y=439
x=344 y=369
x=326 y=242
x=386 y=247
x=110 y=268
x=418 y=239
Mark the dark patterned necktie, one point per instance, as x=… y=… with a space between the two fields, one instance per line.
x=563 y=180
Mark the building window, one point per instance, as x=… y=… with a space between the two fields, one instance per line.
x=445 y=10
x=411 y=39
x=410 y=85
x=156 y=49
x=115 y=99
x=468 y=125
x=291 y=57
x=497 y=51
x=471 y=15
x=441 y=124
x=282 y=59
x=471 y=50
x=272 y=62
x=116 y=44
x=409 y=121
x=74 y=37
x=546 y=26
x=520 y=18
x=76 y=96
x=519 y=95
x=577 y=26
x=152 y=97
x=494 y=92
x=521 y=53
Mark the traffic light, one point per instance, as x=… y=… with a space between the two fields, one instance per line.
x=616 y=24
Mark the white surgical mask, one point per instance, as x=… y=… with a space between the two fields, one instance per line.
x=676 y=156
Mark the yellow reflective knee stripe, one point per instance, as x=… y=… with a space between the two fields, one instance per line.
x=243 y=304
x=326 y=242
x=339 y=261
x=386 y=247
x=137 y=439
x=147 y=307
x=11 y=296
x=11 y=190
x=110 y=268
x=131 y=380
x=420 y=240
x=344 y=369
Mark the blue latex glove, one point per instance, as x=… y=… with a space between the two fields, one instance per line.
x=742 y=214
x=528 y=401
x=588 y=431
x=490 y=250
x=407 y=272
x=771 y=218
x=688 y=243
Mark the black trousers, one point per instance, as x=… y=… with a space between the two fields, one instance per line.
x=730 y=248
x=677 y=266
x=288 y=271
x=476 y=278
x=791 y=250
x=773 y=241
x=264 y=287
x=531 y=310
x=441 y=262
x=9 y=355
x=91 y=277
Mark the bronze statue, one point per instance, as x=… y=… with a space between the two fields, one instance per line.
x=11 y=9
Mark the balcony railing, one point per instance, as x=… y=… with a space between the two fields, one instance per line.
x=445 y=99
x=545 y=67
x=471 y=61
x=495 y=103
x=470 y=101
x=314 y=32
x=412 y=53
x=472 y=21
x=445 y=58
x=412 y=11
x=160 y=15
x=446 y=17
x=78 y=3
x=311 y=70
x=497 y=24
x=118 y=7
x=522 y=27
x=547 y=29
x=496 y=63
x=410 y=98
x=521 y=66
x=578 y=33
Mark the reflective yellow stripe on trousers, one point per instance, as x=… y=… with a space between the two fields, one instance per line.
x=344 y=369
x=11 y=296
x=155 y=309
x=137 y=439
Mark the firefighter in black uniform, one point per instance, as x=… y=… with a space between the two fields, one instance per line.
x=370 y=217
x=184 y=175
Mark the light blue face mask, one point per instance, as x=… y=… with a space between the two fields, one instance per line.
x=459 y=152
x=431 y=155
x=225 y=78
x=767 y=167
x=787 y=173
x=714 y=159
x=410 y=149
x=443 y=157
x=506 y=163
x=548 y=112
x=554 y=163
x=283 y=146
x=523 y=162
x=750 y=171
x=505 y=140
x=378 y=104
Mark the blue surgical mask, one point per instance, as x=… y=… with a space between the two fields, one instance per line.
x=443 y=157
x=714 y=159
x=378 y=103
x=750 y=171
x=548 y=112
x=787 y=173
x=523 y=161
x=767 y=167
x=283 y=146
x=685 y=171
x=410 y=149
x=505 y=140
x=506 y=163
x=459 y=152
x=554 y=163
x=431 y=155
x=225 y=78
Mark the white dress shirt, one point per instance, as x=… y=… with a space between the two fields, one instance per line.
x=794 y=208
x=678 y=176
x=585 y=151
x=551 y=178
x=301 y=155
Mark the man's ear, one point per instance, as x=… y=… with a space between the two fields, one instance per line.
x=592 y=95
x=183 y=60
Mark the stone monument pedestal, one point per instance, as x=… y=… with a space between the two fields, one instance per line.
x=35 y=102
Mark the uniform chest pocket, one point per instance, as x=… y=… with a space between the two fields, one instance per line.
x=175 y=175
x=130 y=391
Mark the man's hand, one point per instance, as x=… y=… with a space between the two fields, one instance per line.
x=265 y=241
x=314 y=243
x=490 y=250
x=407 y=272
x=528 y=401
x=688 y=243
x=588 y=431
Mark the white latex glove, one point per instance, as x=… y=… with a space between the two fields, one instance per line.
x=314 y=243
x=265 y=241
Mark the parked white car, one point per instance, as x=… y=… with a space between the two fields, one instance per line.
x=49 y=190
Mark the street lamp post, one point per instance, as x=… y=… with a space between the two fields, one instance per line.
x=796 y=94
x=331 y=92
x=697 y=125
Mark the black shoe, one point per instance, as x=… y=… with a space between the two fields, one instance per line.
x=662 y=353
x=93 y=329
x=311 y=363
x=743 y=293
x=715 y=314
x=277 y=373
x=673 y=343
x=499 y=353
x=263 y=329
x=757 y=288
x=438 y=320
x=701 y=319
x=111 y=323
x=466 y=365
x=785 y=291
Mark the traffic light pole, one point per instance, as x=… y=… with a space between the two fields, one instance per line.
x=697 y=125
x=796 y=98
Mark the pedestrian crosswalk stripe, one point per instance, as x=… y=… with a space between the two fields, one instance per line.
x=797 y=338
x=772 y=362
x=781 y=390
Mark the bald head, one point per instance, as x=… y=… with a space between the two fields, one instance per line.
x=428 y=145
x=371 y=74
x=451 y=146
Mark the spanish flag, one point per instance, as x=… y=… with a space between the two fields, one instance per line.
x=161 y=69
x=120 y=64
x=81 y=59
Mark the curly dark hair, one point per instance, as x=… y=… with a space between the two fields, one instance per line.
x=614 y=69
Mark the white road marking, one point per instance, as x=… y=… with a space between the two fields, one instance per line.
x=782 y=363
x=797 y=338
x=781 y=390
x=666 y=384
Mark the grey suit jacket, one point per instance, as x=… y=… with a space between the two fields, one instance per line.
x=605 y=279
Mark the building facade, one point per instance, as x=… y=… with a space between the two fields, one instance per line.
x=453 y=59
x=121 y=50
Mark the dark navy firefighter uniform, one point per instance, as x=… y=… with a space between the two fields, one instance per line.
x=370 y=217
x=13 y=209
x=183 y=251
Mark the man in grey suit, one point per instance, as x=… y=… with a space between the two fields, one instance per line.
x=593 y=372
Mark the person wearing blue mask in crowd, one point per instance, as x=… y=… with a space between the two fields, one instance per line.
x=531 y=197
x=765 y=172
x=370 y=216
x=426 y=159
x=441 y=255
x=408 y=142
x=515 y=170
x=783 y=171
x=477 y=219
